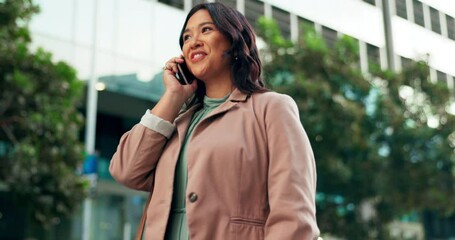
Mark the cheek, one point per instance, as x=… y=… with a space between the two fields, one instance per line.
x=222 y=43
x=185 y=52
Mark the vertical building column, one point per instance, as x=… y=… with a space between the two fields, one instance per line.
x=90 y=128
x=397 y=63
x=426 y=16
x=383 y=58
x=187 y=5
x=410 y=10
x=363 y=57
x=450 y=82
x=387 y=19
x=241 y=6
x=294 y=27
x=433 y=75
x=318 y=28
x=267 y=10
x=443 y=21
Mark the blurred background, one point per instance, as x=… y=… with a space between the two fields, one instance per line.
x=373 y=79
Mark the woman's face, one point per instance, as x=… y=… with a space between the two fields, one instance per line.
x=205 y=48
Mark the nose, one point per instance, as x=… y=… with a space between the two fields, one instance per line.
x=195 y=42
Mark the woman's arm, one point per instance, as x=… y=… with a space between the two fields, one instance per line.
x=137 y=154
x=292 y=174
x=139 y=150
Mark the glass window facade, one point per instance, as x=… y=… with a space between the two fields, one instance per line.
x=372 y=2
x=330 y=36
x=283 y=18
x=374 y=59
x=418 y=13
x=174 y=3
x=230 y=3
x=441 y=76
x=253 y=10
x=435 y=23
x=400 y=6
x=450 y=27
x=406 y=62
x=305 y=24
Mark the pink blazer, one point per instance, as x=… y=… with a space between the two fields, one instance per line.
x=251 y=171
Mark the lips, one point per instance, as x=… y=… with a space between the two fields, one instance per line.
x=197 y=56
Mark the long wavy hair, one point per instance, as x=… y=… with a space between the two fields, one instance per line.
x=246 y=67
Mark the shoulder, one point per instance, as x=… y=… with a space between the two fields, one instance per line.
x=273 y=101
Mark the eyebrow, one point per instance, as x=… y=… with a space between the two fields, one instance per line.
x=200 y=25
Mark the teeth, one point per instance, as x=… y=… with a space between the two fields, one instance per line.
x=198 y=55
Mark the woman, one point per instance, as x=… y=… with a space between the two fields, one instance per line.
x=236 y=164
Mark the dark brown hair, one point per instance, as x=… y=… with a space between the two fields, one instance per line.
x=246 y=66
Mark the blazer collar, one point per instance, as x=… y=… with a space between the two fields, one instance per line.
x=238 y=96
x=182 y=122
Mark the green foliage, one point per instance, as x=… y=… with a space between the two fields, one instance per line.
x=370 y=133
x=39 y=122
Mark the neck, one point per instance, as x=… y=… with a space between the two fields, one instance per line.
x=219 y=87
x=218 y=90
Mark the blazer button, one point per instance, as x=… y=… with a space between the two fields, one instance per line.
x=193 y=197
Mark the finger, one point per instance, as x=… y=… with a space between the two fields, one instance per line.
x=168 y=66
x=175 y=68
x=179 y=59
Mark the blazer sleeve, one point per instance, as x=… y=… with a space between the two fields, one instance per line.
x=292 y=174
x=138 y=152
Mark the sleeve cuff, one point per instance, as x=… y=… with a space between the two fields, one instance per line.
x=157 y=124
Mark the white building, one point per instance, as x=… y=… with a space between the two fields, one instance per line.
x=138 y=36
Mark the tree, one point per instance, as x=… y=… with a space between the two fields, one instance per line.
x=378 y=155
x=39 y=124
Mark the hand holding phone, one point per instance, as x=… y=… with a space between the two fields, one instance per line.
x=184 y=76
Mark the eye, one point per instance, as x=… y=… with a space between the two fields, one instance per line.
x=186 y=37
x=206 y=29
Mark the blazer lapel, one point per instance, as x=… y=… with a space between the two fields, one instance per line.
x=235 y=97
x=183 y=121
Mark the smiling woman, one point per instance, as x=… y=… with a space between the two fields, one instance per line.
x=234 y=163
x=206 y=48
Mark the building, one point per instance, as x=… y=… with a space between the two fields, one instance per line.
x=134 y=38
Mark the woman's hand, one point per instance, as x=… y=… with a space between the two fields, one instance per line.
x=175 y=94
x=171 y=83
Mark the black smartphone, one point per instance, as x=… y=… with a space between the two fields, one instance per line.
x=184 y=75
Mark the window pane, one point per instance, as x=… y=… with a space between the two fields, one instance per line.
x=435 y=25
x=372 y=2
x=418 y=13
x=230 y=3
x=174 y=3
x=196 y=2
x=373 y=57
x=406 y=62
x=253 y=10
x=283 y=19
x=330 y=36
x=401 y=8
x=450 y=27
x=440 y=76
x=305 y=25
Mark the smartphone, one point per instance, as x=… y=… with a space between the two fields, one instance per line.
x=184 y=75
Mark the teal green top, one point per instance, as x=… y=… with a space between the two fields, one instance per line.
x=177 y=228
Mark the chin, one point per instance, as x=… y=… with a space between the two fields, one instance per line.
x=200 y=75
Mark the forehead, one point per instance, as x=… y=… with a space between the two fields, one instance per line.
x=197 y=18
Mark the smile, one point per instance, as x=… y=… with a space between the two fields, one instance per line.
x=197 y=56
